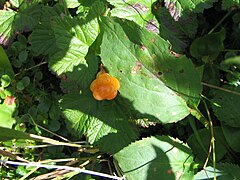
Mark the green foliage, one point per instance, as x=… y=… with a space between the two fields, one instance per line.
x=153 y=157
x=53 y=50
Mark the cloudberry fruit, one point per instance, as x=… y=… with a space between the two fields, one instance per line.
x=105 y=87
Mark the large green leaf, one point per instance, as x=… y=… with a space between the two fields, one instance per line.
x=155 y=157
x=228 y=111
x=97 y=119
x=73 y=38
x=137 y=11
x=144 y=66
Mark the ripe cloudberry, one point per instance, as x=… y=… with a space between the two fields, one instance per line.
x=104 y=87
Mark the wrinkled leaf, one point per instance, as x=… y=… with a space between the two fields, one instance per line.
x=97 y=119
x=73 y=37
x=42 y=39
x=156 y=157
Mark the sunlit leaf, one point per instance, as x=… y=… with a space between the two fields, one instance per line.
x=156 y=157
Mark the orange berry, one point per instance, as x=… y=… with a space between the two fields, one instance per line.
x=105 y=87
x=115 y=83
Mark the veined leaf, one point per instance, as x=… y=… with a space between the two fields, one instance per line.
x=6 y=21
x=137 y=11
x=155 y=157
x=144 y=66
x=43 y=39
x=97 y=119
x=11 y=22
x=73 y=38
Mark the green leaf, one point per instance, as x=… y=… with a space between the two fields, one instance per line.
x=16 y=3
x=5 y=65
x=137 y=11
x=42 y=39
x=156 y=157
x=232 y=61
x=228 y=111
x=73 y=37
x=224 y=171
x=142 y=63
x=179 y=31
x=97 y=119
x=72 y=3
x=24 y=20
x=209 y=46
x=232 y=136
x=228 y=4
x=6 y=112
x=6 y=30
x=5 y=81
x=23 y=55
x=205 y=137
x=9 y=134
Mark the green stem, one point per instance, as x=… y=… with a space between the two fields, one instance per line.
x=220 y=22
x=212 y=142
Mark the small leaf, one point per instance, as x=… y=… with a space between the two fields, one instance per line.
x=5 y=80
x=23 y=55
x=156 y=157
x=208 y=46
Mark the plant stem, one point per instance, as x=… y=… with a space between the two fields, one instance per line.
x=75 y=169
x=215 y=27
x=212 y=142
x=220 y=88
